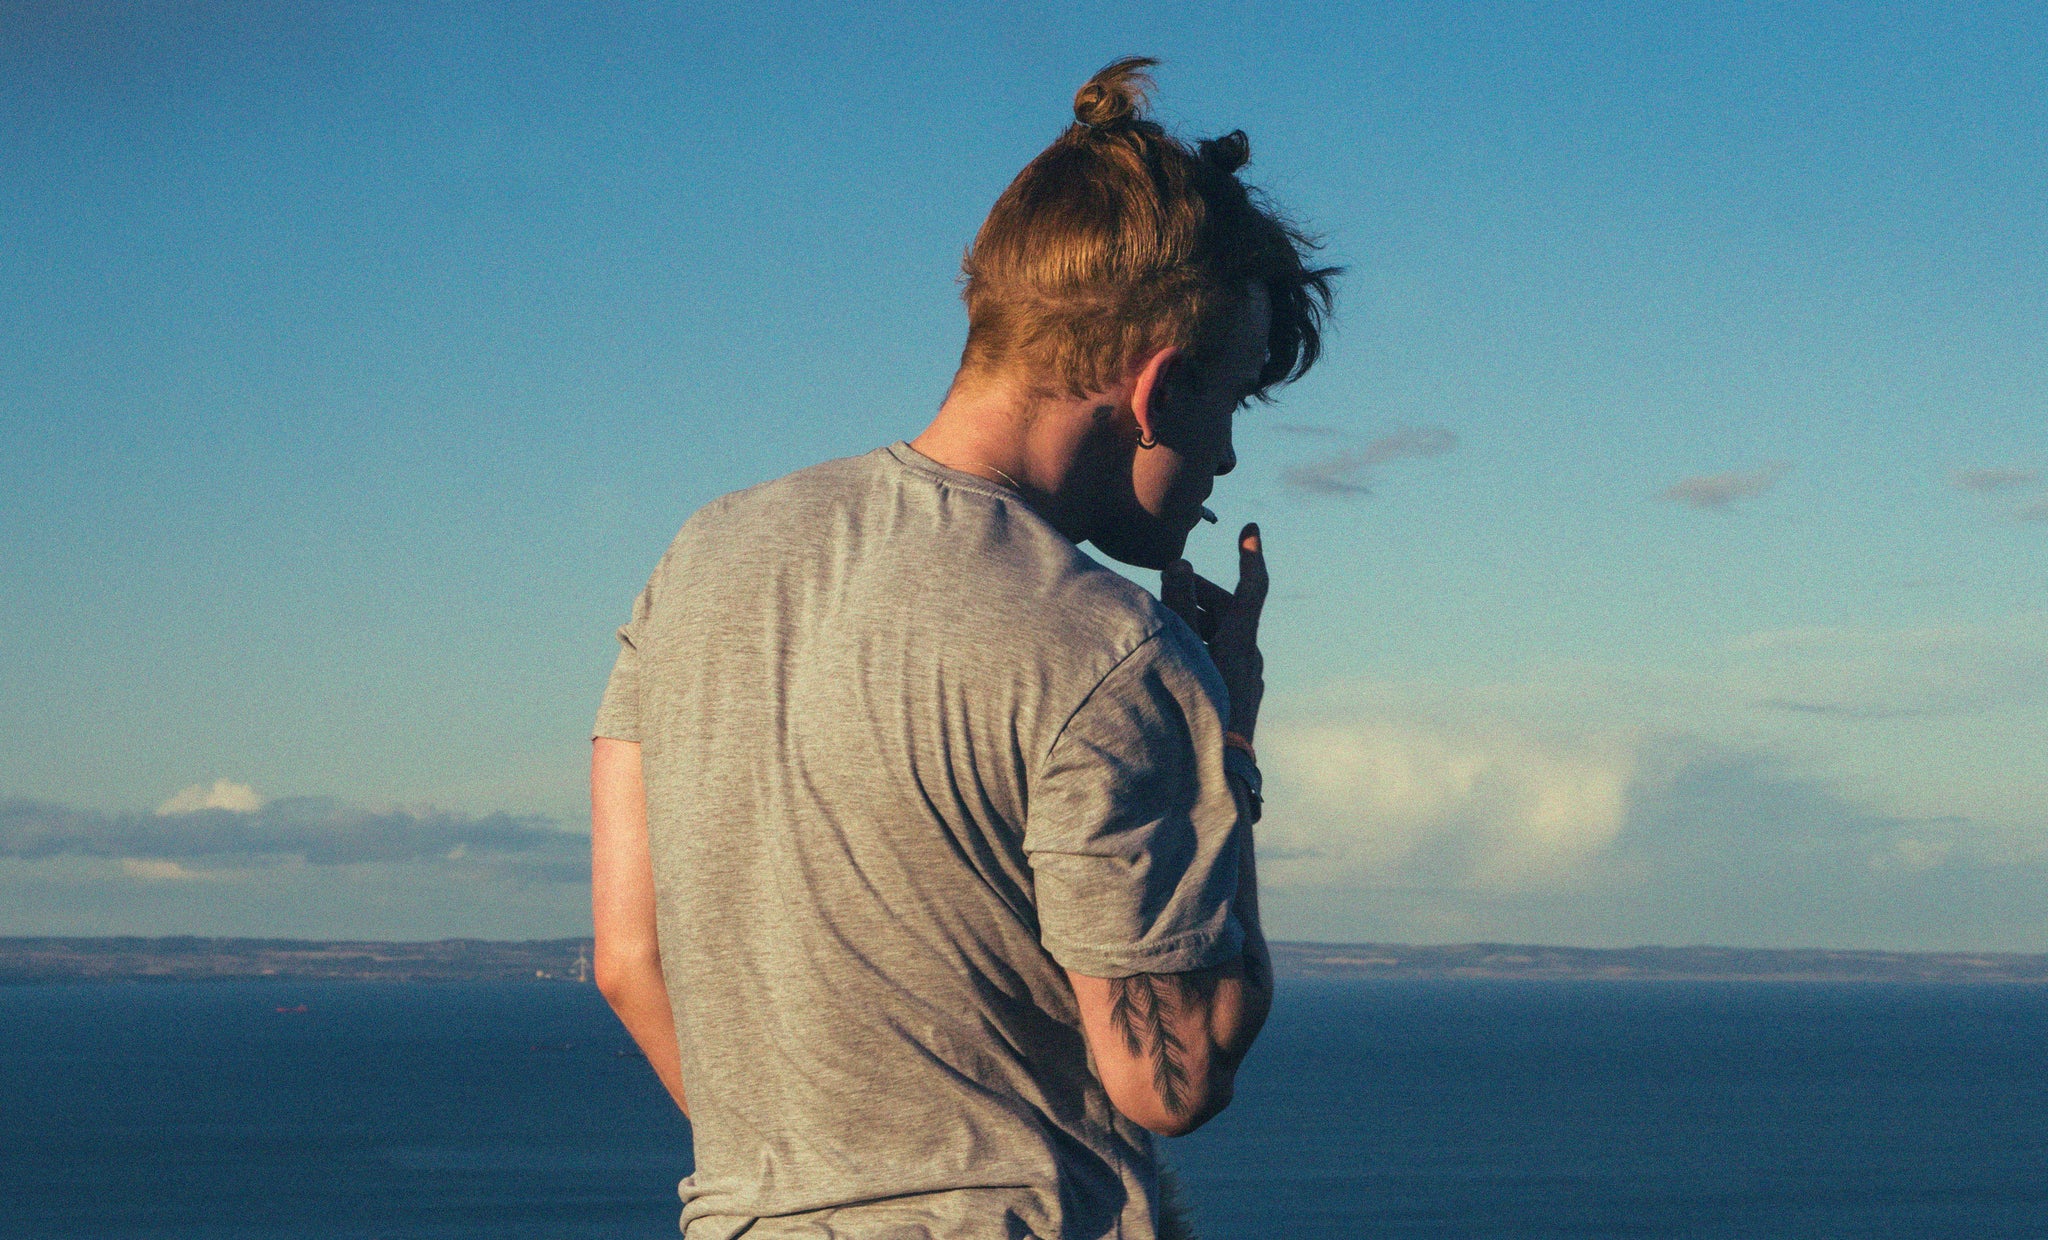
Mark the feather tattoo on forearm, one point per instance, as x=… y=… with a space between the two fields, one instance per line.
x=1144 y=1009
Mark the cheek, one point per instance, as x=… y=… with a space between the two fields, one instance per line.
x=1156 y=475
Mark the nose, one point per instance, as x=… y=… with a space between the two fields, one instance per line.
x=1228 y=463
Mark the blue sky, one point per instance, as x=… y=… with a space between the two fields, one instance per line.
x=1659 y=551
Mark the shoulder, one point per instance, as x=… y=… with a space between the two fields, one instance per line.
x=1111 y=639
x=1169 y=663
x=982 y=569
x=824 y=484
x=768 y=515
x=1089 y=601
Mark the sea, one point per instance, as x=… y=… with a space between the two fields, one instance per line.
x=317 y=1111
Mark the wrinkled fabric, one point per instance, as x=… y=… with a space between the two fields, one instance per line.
x=908 y=753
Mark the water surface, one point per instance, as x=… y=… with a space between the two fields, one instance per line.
x=1512 y=1110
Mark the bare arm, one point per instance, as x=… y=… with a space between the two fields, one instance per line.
x=622 y=909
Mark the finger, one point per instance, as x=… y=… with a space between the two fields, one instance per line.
x=1211 y=596
x=1177 y=591
x=1215 y=602
x=1241 y=625
x=1252 y=581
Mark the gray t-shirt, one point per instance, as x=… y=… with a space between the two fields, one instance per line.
x=908 y=751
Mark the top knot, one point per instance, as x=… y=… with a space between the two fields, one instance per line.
x=1115 y=96
x=1227 y=153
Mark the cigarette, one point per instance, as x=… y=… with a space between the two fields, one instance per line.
x=1207 y=515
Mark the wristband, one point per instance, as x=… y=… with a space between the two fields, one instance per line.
x=1239 y=765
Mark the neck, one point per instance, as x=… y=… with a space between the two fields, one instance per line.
x=1047 y=449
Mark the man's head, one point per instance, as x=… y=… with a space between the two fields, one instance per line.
x=1126 y=269
x=1119 y=240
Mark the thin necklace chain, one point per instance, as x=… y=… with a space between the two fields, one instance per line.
x=1015 y=485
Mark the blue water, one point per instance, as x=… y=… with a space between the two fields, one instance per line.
x=1369 y=1109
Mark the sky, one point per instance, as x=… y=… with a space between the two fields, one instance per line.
x=1659 y=550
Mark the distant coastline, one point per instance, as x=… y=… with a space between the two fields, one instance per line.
x=187 y=958
x=1745 y=964
x=25 y=960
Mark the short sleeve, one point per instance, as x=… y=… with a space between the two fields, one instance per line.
x=618 y=714
x=1132 y=831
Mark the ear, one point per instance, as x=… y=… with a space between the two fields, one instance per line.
x=1148 y=390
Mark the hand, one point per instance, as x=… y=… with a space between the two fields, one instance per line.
x=1228 y=622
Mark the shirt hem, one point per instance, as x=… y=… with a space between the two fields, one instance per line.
x=1182 y=954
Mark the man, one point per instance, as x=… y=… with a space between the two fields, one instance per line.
x=923 y=865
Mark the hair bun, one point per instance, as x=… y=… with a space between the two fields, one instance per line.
x=1115 y=96
x=1227 y=153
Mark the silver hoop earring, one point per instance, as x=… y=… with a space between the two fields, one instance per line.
x=1147 y=441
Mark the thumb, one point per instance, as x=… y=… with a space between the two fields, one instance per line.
x=1177 y=591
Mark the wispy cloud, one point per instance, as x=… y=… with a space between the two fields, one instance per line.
x=1421 y=441
x=1349 y=473
x=2000 y=478
x=316 y=830
x=1926 y=672
x=1304 y=429
x=1342 y=475
x=2036 y=511
x=1856 y=710
x=1713 y=492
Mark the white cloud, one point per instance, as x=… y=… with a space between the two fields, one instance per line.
x=1839 y=785
x=156 y=869
x=314 y=831
x=221 y=794
x=1379 y=802
x=1913 y=854
x=1712 y=492
x=1426 y=832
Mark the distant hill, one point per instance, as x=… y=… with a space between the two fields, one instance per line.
x=184 y=958
x=1536 y=963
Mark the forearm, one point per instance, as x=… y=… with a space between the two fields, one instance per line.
x=622 y=909
x=633 y=985
x=1256 y=1001
x=1167 y=1045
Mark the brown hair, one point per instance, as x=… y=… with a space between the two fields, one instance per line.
x=1119 y=239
